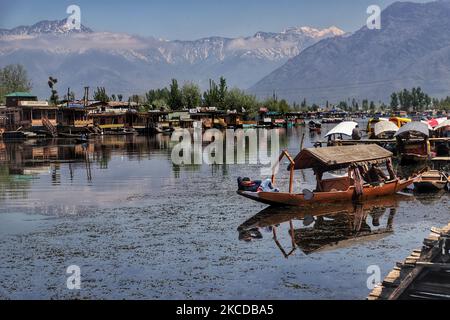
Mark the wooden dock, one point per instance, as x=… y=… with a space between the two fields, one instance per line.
x=424 y=275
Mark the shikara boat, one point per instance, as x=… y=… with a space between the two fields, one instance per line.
x=14 y=135
x=358 y=184
x=384 y=130
x=413 y=142
x=399 y=121
x=342 y=129
x=371 y=125
x=431 y=181
x=315 y=126
x=332 y=120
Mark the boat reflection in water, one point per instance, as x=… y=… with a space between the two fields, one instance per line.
x=326 y=227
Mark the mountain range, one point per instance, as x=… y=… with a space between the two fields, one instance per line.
x=411 y=49
x=127 y=64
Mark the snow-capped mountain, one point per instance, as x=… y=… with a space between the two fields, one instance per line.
x=411 y=49
x=128 y=64
x=44 y=27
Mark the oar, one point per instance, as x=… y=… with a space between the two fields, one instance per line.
x=404 y=194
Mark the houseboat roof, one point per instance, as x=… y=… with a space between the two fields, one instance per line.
x=107 y=114
x=21 y=95
x=37 y=105
x=208 y=113
x=72 y=105
x=413 y=127
x=331 y=158
x=121 y=104
x=151 y=113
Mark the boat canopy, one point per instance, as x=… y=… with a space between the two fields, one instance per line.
x=432 y=123
x=384 y=126
x=413 y=127
x=332 y=158
x=399 y=121
x=444 y=124
x=345 y=128
x=378 y=119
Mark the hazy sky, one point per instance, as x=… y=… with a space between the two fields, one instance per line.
x=192 y=19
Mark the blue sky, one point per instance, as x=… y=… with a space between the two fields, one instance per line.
x=193 y=19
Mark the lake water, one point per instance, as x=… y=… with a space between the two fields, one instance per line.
x=140 y=227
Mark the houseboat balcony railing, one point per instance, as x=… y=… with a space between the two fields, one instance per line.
x=84 y=123
x=39 y=122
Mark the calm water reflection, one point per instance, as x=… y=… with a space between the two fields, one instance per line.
x=141 y=227
x=323 y=227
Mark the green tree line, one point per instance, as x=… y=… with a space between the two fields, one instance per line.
x=414 y=100
x=13 y=78
x=219 y=95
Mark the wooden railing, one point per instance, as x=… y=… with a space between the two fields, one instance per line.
x=40 y=123
x=84 y=123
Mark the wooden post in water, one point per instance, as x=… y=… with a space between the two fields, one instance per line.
x=68 y=94
x=291 y=174
x=291 y=179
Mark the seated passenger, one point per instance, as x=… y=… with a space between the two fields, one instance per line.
x=246 y=184
x=267 y=186
x=375 y=174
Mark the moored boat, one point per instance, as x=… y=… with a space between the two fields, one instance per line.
x=399 y=121
x=431 y=181
x=371 y=125
x=315 y=126
x=337 y=134
x=413 y=142
x=360 y=183
x=384 y=130
x=14 y=135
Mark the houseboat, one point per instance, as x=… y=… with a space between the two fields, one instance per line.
x=210 y=117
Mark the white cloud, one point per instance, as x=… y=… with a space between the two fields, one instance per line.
x=77 y=42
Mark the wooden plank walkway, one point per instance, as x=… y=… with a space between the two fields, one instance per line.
x=424 y=275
